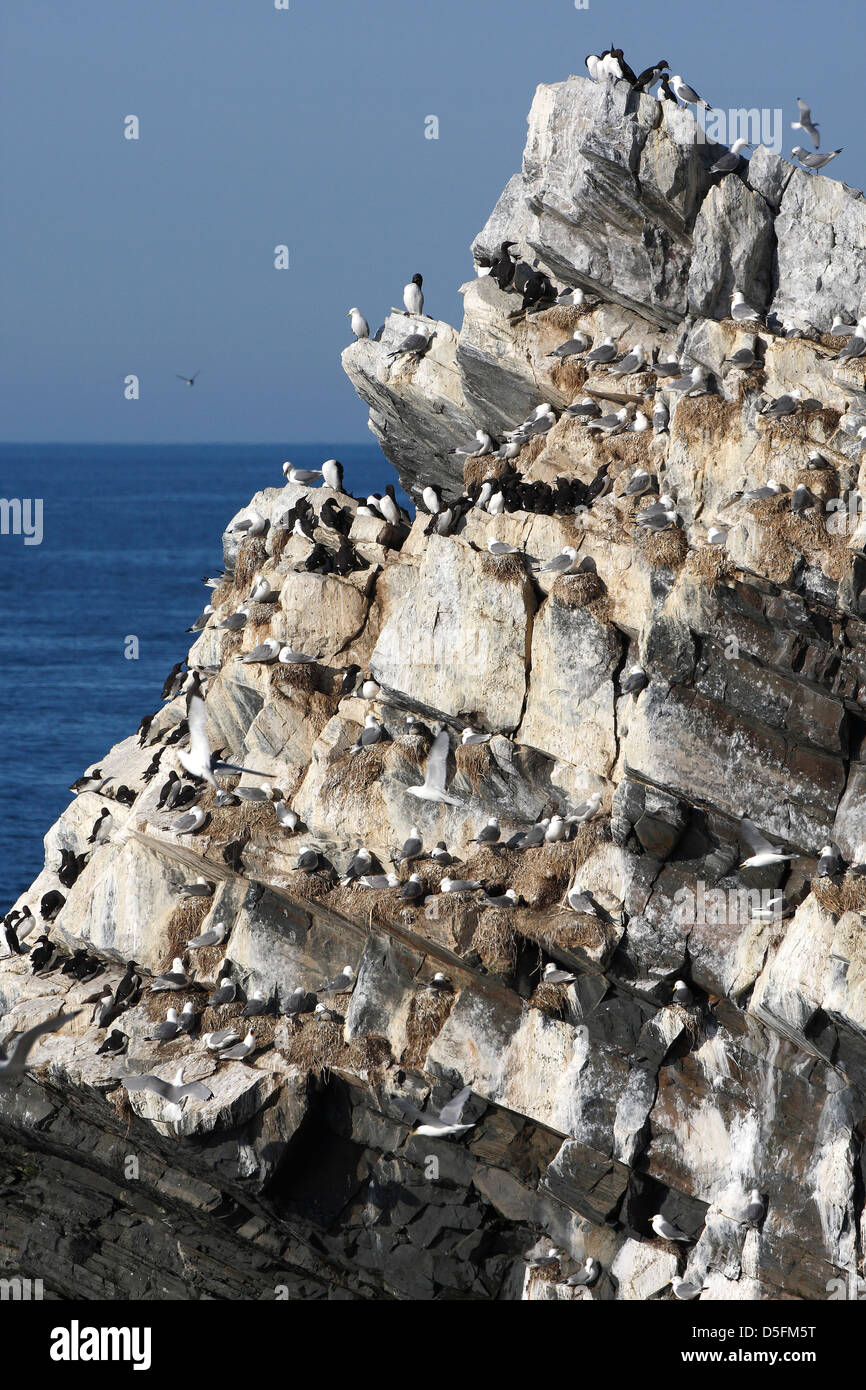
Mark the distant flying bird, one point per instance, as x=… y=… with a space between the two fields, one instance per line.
x=12 y=1067
x=188 y=380
x=806 y=124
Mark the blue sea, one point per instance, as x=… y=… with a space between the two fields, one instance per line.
x=129 y=531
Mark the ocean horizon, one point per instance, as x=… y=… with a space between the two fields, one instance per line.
x=129 y=531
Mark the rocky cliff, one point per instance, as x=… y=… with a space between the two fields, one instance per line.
x=596 y=1101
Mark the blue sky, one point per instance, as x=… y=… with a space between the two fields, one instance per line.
x=305 y=127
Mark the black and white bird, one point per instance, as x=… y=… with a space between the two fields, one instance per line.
x=129 y=986
x=413 y=295
x=829 y=863
x=90 y=782
x=332 y=472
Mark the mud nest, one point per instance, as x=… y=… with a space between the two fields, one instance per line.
x=254 y=819
x=316 y=1047
x=185 y=922
x=474 y=760
x=784 y=537
x=231 y=645
x=847 y=895
x=568 y=375
x=579 y=590
x=369 y=1056
x=567 y=931
x=664 y=549
x=507 y=569
x=822 y=422
x=712 y=565
x=550 y=999
x=496 y=941
x=279 y=538
x=355 y=772
x=427 y=1014
x=311 y=886
x=702 y=420
x=290 y=678
x=542 y=875
x=475 y=471
x=252 y=556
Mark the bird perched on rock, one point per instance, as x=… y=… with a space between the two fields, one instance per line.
x=687 y=94
x=413 y=345
x=554 y=975
x=413 y=295
x=663 y=1228
x=490 y=833
x=226 y=991
x=741 y=312
x=727 y=163
x=359 y=325
x=635 y=681
x=814 y=162
x=173 y=979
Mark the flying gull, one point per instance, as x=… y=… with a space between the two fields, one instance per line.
x=199 y=761
x=176 y=1092
x=763 y=851
x=806 y=124
x=12 y=1066
x=435 y=773
x=434 y=1126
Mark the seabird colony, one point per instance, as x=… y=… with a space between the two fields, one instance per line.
x=326 y=531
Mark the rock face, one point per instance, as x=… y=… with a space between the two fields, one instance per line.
x=595 y=1102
